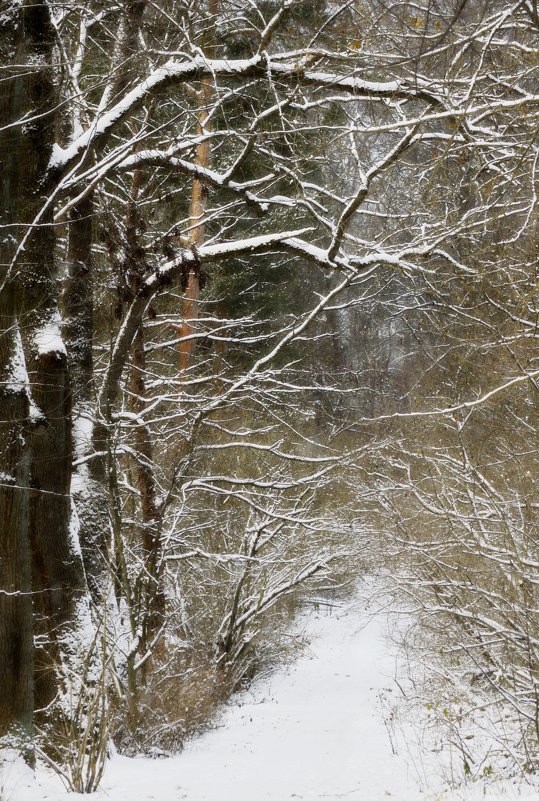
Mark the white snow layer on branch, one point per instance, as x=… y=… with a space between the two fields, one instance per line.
x=253 y=243
x=174 y=71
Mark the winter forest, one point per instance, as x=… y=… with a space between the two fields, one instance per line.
x=269 y=314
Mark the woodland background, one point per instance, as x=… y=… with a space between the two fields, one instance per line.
x=268 y=323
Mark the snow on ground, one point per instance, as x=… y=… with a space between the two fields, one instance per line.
x=316 y=730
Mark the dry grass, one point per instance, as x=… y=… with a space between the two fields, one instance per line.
x=182 y=694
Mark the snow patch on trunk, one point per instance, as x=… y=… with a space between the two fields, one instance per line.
x=18 y=380
x=17 y=372
x=83 y=428
x=74 y=529
x=48 y=338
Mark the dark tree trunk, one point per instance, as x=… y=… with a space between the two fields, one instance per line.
x=78 y=302
x=56 y=570
x=90 y=490
x=151 y=592
x=57 y=577
x=16 y=633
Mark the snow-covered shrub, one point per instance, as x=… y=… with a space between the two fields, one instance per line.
x=461 y=542
x=75 y=740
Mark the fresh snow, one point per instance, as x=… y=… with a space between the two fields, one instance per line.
x=48 y=338
x=325 y=728
x=18 y=378
x=182 y=71
x=83 y=427
x=18 y=375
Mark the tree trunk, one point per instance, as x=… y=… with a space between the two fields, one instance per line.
x=197 y=213
x=91 y=490
x=16 y=632
x=89 y=479
x=56 y=569
x=151 y=592
x=78 y=302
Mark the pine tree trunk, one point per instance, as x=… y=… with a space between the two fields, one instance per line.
x=197 y=213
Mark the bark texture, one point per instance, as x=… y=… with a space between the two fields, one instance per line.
x=40 y=544
x=16 y=656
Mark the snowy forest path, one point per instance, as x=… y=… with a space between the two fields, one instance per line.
x=319 y=729
x=314 y=731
